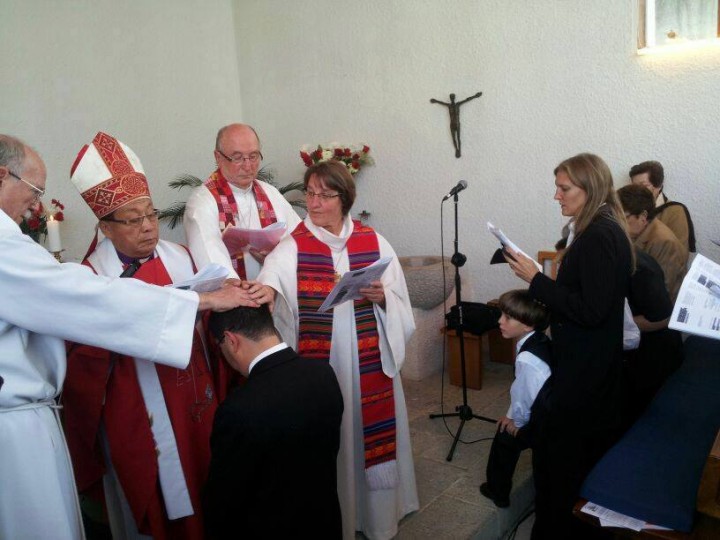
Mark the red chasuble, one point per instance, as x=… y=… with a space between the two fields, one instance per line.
x=95 y=375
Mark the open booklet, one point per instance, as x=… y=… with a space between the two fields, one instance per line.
x=505 y=242
x=697 y=308
x=348 y=288
x=210 y=278
x=237 y=239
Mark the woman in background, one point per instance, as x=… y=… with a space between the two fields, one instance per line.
x=579 y=417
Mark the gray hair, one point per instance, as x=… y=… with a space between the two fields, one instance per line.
x=12 y=153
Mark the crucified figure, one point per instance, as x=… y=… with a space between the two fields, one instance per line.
x=454 y=110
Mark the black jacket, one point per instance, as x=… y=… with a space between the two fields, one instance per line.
x=587 y=304
x=274 y=446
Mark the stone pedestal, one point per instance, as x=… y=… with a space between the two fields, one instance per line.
x=423 y=353
x=424 y=277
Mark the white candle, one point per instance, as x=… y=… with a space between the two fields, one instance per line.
x=53 y=235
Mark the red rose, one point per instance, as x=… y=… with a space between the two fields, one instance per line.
x=366 y=149
x=59 y=216
x=348 y=152
x=356 y=157
x=339 y=152
x=356 y=164
x=317 y=154
x=33 y=223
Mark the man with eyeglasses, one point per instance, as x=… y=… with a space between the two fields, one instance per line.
x=151 y=423
x=42 y=304
x=233 y=196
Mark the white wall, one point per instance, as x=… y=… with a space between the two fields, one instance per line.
x=161 y=76
x=558 y=77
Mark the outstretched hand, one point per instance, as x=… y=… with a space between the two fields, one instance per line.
x=226 y=298
x=262 y=294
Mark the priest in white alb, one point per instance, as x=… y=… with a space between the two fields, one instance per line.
x=232 y=196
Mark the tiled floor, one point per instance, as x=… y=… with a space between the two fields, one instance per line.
x=451 y=506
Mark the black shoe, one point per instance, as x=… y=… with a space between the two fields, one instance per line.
x=488 y=492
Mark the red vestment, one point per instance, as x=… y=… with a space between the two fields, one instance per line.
x=102 y=387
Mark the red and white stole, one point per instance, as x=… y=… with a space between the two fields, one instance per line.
x=227 y=210
x=315 y=280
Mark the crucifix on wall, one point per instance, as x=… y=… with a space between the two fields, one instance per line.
x=454 y=110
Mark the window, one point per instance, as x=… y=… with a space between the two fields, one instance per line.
x=673 y=23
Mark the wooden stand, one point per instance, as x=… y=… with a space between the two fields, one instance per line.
x=473 y=359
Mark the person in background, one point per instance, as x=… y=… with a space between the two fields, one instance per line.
x=661 y=349
x=275 y=439
x=581 y=415
x=675 y=215
x=653 y=237
x=138 y=432
x=523 y=319
x=44 y=303
x=233 y=196
x=363 y=340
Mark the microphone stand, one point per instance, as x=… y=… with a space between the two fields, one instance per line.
x=464 y=411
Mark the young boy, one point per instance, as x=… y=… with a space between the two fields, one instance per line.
x=523 y=319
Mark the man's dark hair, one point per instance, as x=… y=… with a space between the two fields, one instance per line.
x=636 y=199
x=655 y=168
x=252 y=323
x=521 y=306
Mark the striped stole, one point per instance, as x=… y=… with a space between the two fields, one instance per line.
x=315 y=280
x=227 y=210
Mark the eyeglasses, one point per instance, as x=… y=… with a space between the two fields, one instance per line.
x=39 y=193
x=254 y=157
x=136 y=222
x=322 y=196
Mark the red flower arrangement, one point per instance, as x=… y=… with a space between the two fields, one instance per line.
x=353 y=157
x=35 y=224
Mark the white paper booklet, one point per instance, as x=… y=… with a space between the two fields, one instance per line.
x=697 y=308
x=506 y=242
x=348 y=288
x=610 y=518
x=237 y=239
x=210 y=278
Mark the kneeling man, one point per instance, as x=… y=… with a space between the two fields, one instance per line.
x=275 y=440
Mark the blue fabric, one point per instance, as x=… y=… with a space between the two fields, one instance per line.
x=653 y=473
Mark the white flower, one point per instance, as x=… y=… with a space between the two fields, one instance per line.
x=327 y=154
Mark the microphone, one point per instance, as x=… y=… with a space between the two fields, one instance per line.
x=462 y=184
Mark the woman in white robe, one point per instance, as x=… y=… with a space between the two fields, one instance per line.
x=375 y=512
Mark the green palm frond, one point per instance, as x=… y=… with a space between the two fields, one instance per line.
x=185 y=180
x=173 y=213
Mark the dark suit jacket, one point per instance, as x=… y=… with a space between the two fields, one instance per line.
x=275 y=441
x=587 y=304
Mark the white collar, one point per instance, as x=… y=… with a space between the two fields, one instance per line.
x=241 y=191
x=266 y=353
x=335 y=243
